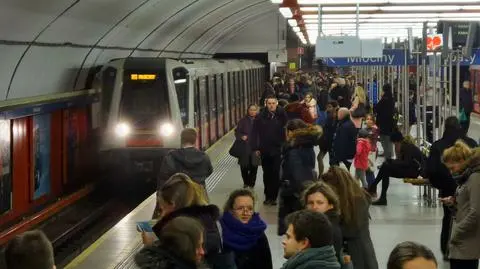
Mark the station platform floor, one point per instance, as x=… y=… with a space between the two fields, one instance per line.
x=406 y=217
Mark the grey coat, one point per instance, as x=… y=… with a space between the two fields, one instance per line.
x=358 y=241
x=465 y=239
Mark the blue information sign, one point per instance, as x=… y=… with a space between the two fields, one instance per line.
x=394 y=57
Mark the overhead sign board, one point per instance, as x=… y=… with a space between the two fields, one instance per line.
x=394 y=57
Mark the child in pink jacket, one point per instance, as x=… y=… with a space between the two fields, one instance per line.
x=361 y=156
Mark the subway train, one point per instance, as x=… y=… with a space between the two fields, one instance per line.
x=146 y=102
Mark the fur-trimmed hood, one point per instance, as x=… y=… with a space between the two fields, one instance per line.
x=474 y=161
x=305 y=137
x=207 y=214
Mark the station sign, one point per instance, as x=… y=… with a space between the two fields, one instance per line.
x=395 y=57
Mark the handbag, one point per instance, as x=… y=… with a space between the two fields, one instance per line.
x=238 y=148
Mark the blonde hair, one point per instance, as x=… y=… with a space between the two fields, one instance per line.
x=181 y=191
x=360 y=93
x=459 y=152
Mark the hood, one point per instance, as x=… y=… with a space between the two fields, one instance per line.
x=472 y=165
x=157 y=257
x=191 y=158
x=306 y=137
x=206 y=213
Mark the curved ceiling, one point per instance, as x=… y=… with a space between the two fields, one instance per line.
x=48 y=46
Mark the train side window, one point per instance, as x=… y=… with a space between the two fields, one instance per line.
x=181 y=81
x=108 y=86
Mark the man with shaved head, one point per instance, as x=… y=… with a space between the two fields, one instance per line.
x=344 y=141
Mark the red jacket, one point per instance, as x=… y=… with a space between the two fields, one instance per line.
x=361 y=155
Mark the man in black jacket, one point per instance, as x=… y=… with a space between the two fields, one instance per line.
x=188 y=160
x=344 y=140
x=439 y=175
x=268 y=136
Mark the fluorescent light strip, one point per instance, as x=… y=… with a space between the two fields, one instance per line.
x=394 y=20
x=394 y=15
x=342 y=2
x=391 y=8
x=276 y=1
x=286 y=12
x=292 y=22
x=369 y=25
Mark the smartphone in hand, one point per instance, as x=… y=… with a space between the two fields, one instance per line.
x=144 y=226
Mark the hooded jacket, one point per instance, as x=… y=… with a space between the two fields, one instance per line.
x=297 y=169
x=190 y=161
x=298 y=164
x=313 y=258
x=465 y=239
x=159 y=257
x=208 y=215
x=361 y=154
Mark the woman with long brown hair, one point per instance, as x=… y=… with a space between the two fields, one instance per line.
x=354 y=220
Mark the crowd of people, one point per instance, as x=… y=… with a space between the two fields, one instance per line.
x=323 y=214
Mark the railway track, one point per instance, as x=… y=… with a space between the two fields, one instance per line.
x=77 y=227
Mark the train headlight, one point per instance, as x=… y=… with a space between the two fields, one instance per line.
x=122 y=130
x=167 y=129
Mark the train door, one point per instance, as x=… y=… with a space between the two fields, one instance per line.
x=248 y=88
x=255 y=85
x=242 y=92
x=201 y=107
x=231 y=100
x=212 y=109
x=238 y=101
x=220 y=105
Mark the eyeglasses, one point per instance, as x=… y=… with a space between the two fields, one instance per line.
x=244 y=209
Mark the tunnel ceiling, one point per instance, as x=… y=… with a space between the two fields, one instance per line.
x=48 y=46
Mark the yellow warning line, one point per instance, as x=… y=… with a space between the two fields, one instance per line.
x=84 y=255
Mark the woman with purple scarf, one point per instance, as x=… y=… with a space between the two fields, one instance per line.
x=243 y=232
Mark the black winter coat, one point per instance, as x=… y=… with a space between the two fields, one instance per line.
x=345 y=141
x=191 y=161
x=329 y=130
x=159 y=257
x=385 y=110
x=437 y=173
x=334 y=219
x=208 y=215
x=268 y=134
x=258 y=257
x=297 y=169
x=245 y=127
x=466 y=100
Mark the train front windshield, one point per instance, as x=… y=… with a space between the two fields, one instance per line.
x=144 y=100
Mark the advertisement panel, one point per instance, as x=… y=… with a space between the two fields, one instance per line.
x=41 y=155
x=5 y=167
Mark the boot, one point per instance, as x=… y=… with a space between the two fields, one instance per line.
x=381 y=201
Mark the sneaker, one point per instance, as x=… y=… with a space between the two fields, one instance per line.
x=266 y=202
x=273 y=202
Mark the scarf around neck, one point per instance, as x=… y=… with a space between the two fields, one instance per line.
x=239 y=236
